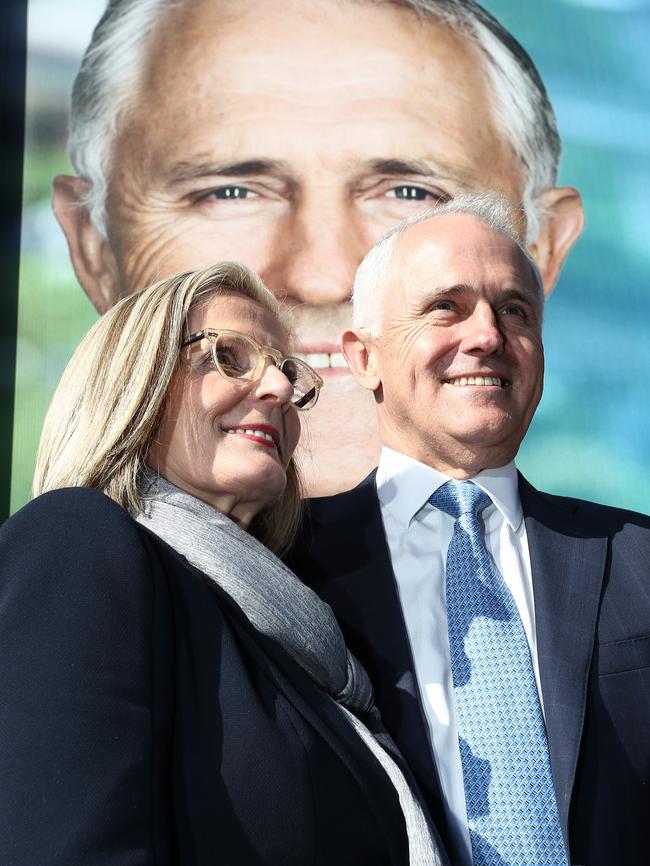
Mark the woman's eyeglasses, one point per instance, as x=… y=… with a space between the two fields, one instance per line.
x=237 y=356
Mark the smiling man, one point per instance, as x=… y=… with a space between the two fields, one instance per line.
x=506 y=631
x=291 y=136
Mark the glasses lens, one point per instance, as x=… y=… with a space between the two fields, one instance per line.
x=305 y=385
x=235 y=356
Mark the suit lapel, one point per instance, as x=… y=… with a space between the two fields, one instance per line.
x=350 y=568
x=567 y=564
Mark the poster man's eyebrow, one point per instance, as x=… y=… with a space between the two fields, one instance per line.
x=417 y=167
x=183 y=170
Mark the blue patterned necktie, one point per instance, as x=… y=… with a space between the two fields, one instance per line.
x=511 y=804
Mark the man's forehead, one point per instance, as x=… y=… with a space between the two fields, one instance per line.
x=267 y=37
x=459 y=250
x=222 y=90
x=454 y=235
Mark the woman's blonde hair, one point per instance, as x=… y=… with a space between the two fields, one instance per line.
x=109 y=403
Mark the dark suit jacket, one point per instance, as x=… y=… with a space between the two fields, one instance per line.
x=143 y=721
x=591 y=578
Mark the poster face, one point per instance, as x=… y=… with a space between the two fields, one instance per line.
x=292 y=141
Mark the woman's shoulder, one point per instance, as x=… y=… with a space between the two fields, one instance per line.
x=68 y=503
x=75 y=515
x=75 y=537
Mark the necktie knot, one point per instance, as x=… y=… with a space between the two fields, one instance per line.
x=460 y=497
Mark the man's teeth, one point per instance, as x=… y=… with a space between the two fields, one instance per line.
x=261 y=434
x=323 y=360
x=475 y=380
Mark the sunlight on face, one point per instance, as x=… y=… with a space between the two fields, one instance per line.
x=227 y=442
x=460 y=354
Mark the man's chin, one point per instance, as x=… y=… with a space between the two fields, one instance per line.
x=485 y=447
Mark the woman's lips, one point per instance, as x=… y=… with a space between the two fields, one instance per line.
x=263 y=434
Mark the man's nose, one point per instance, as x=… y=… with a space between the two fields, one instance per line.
x=481 y=334
x=320 y=254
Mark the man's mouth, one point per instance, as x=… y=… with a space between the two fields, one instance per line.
x=481 y=381
x=323 y=360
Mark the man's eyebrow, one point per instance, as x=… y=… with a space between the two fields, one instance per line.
x=417 y=167
x=525 y=294
x=183 y=170
x=429 y=293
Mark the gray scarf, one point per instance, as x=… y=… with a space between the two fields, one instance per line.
x=279 y=606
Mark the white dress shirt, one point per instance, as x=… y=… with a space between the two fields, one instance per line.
x=418 y=536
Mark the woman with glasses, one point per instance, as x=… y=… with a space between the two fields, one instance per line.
x=170 y=692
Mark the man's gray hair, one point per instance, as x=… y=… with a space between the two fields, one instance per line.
x=373 y=275
x=110 y=72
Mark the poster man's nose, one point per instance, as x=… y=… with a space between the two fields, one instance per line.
x=322 y=257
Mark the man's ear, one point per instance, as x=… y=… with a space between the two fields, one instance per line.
x=92 y=257
x=560 y=227
x=360 y=353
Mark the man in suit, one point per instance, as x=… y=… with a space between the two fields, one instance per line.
x=291 y=136
x=447 y=337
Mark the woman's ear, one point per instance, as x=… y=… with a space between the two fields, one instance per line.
x=361 y=353
x=92 y=257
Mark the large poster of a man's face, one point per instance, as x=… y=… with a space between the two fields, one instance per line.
x=291 y=136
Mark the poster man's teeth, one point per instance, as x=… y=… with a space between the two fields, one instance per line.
x=323 y=360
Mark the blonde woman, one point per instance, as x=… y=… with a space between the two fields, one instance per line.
x=171 y=693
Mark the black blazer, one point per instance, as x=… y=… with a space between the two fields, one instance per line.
x=591 y=578
x=143 y=721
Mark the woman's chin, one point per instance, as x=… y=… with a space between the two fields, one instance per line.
x=265 y=485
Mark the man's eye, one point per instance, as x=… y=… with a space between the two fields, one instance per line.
x=443 y=306
x=514 y=310
x=410 y=193
x=232 y=192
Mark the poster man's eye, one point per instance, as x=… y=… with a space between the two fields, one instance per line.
x=233 y=192
x=411 y=193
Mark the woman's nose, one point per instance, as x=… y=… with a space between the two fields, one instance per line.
x=274 y=383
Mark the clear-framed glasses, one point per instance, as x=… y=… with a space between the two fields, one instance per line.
x=237 y=356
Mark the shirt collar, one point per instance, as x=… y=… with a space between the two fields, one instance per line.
x=404 y=486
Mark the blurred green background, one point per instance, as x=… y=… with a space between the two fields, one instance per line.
x=590 y=436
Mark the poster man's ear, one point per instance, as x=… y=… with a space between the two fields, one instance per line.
x=362 y=358
x=560 y=228
x=92 y=257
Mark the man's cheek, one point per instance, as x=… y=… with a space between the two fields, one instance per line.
x=158 y=249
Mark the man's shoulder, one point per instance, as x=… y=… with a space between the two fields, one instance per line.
x=336 y=528
x=341 y=507
x=595 y=516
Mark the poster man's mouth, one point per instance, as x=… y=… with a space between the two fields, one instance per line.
x=324 y=360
